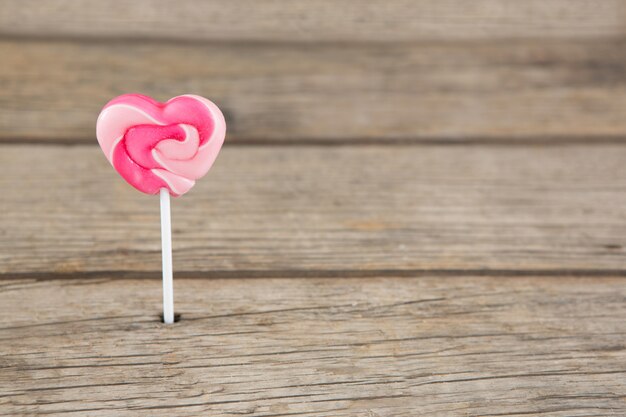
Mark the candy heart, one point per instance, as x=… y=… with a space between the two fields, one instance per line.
x=161 y=145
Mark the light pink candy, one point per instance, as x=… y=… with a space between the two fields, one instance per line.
x=161 y=145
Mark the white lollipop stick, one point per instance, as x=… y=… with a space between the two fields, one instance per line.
x=166 y=250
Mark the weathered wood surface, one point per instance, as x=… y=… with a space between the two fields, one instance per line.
x=316 y=347
x=486 y=280
x=315 y=210
x=503 y=91
x=314 y=20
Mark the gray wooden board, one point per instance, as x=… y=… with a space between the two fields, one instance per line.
x=53 y=90
x=314 y=20
x=432 y=346
x=321 y=209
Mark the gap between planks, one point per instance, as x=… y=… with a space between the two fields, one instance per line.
x=517 y=141
x=317 y=273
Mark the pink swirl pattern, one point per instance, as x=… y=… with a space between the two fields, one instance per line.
x=161 y=145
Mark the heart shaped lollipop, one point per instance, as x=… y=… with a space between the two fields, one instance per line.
x=161 y=148
x=156 y=145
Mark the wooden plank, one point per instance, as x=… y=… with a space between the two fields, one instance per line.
x=322 y=209
x=318 y=347
x=498 y=91
x=315 y=20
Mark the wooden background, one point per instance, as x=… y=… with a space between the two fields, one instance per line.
x=420 y=209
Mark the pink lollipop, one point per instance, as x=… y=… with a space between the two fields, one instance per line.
x=161 y=148
x=161 y=145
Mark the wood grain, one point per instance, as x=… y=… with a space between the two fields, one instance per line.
x=319 y=210
x=442 y=279
x=318 y=347
x=53 y=91
x=314 y=20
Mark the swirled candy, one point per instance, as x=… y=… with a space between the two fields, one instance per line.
x=161 y=145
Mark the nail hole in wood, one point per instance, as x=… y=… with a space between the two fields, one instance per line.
x=176 y=317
